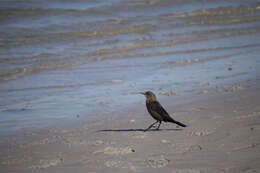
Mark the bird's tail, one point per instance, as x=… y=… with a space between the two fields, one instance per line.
x=178 y=123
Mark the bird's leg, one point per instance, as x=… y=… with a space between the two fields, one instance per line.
x=159 y=125
x=152 y=125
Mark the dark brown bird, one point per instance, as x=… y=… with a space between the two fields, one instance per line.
x=157 y=111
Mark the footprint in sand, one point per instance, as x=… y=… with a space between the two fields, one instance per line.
x=116 y=151
x=157 y=161
x=120 y=164
x=43 y=164
x=251 y=115
x=203 y=132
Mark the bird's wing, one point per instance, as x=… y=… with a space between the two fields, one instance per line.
x=157 y=107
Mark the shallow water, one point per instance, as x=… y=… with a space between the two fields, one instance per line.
x=60 y=59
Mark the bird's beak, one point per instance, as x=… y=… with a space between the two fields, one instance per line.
x=141 y=93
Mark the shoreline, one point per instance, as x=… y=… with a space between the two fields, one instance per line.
x=201 y=90
x=222 y=135
x=83 y=61
x=70 y=73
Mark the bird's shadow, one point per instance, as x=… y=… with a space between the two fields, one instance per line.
x=138 y=130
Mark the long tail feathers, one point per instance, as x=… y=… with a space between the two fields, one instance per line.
x=178 y=123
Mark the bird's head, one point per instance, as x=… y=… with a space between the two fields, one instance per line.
x=149 y=95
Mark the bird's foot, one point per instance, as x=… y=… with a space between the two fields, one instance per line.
x=144 y=130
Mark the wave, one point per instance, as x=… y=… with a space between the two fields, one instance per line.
x=6 y=75
x=156 y=36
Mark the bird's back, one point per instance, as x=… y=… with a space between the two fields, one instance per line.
x=157 y=111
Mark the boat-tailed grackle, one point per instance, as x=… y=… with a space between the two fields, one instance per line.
x=157 y=111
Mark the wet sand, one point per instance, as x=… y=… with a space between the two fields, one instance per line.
x=62 y=59
x=222 y=136
x=70 y=71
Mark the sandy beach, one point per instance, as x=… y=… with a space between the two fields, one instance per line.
x=70 y=71
x=222 y=136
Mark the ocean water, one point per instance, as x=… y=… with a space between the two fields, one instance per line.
x=61 y=58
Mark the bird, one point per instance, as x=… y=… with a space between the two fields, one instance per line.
x=157 y=111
